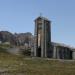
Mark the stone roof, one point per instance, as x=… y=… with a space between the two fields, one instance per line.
x=63 y=45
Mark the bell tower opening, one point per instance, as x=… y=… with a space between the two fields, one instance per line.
x=39 y=52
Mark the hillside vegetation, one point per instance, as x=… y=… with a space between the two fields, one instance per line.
x=20 y=65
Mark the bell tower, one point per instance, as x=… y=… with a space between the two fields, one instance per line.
x=42 y=37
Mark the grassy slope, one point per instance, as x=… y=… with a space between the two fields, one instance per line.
x=15 y=65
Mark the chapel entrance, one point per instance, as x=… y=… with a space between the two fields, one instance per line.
x=39 y=52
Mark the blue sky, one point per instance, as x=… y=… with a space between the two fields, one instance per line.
x=18 y=16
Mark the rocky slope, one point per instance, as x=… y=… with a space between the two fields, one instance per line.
x=17 y=38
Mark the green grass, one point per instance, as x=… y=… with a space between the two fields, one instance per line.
x=19 y=65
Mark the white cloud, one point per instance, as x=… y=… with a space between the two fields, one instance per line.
x=4 y=28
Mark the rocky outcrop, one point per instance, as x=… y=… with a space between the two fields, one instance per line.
x=6 y=36
x=17 y=38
